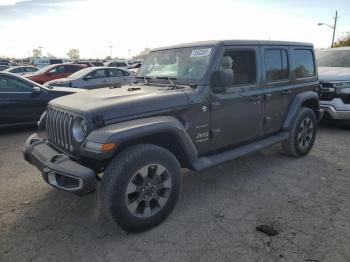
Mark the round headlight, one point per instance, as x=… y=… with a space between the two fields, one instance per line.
x=79 y=129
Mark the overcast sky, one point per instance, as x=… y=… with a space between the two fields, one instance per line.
x=93 y=25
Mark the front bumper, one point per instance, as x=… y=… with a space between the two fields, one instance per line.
x=336 y=108
x=58 y=169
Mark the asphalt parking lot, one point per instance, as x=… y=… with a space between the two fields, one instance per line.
x=307 y=200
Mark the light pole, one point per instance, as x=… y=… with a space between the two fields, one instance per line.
x=333 y=27
x=129 y=53
x=111 y=50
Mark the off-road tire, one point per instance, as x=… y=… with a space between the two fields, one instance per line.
x=291 y=146
x=120 y=174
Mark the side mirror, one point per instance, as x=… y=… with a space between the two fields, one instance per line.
x=88 y=77
x=36 y=90
x=220 y=80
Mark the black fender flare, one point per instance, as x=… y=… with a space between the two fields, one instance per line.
x=298 y=102
x=130 y=130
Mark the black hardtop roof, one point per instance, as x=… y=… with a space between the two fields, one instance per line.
x=234 y=42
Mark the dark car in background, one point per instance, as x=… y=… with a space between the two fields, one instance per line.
x=3 y=67
x=334 y=76
x=5 y=62
x=52 y=72
x=23 y=101
x=120 y=64
x=89 y=63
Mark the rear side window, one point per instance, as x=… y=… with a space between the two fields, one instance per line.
x=101 y=73
x=303 y=61
x=276 y=64
x=115 y=73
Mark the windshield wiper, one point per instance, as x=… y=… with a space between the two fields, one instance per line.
x=170 y=79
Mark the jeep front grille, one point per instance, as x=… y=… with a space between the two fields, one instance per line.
x=58 y=128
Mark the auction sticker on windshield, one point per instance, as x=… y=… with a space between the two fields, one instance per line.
x=200 y=52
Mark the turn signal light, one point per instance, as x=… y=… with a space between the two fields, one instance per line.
x=108 y=147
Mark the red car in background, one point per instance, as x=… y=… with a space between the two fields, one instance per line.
x=56 y=71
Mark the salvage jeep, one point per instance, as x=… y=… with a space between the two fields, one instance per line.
x=190 y=106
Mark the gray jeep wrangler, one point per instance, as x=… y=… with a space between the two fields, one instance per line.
x=191 y=106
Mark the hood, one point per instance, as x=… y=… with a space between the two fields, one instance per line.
x=66 y=90
x=125 y=101
x=331 y=74
x=59 y=82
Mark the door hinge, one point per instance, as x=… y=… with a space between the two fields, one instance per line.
x=215 y=105
x=267 y=118
x=215 y=133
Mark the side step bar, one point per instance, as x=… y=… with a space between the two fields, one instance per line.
x=208 y=161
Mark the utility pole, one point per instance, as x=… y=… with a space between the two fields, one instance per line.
x=335 y=26
x=111 y=49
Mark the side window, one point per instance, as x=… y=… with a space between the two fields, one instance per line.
x=303 y=62
x=120 y=64
x=239 y=65
x=10 y=84
x=276 y=64
x=57 y=70
x=115 y=73
x=101 y=73
x=16 y=70
x=31 y=69
x=71 y=69
x=125 y=73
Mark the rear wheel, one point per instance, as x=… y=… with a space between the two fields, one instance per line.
x=141 y=186
x=302 y=134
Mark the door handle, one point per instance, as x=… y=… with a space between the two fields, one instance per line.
x=254 y=98
x=286 y=92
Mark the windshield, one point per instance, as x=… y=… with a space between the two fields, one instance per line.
x=44 y=69
x=183 y=64
x=333 y=58
x=81 y=73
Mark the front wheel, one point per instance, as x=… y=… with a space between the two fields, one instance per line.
x=141 y=186
x=302 y=134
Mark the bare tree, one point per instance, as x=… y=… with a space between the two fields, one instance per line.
x=142 y=54
x=37 y=52
x=73 y=53
x=50 y=55
x=343 y=41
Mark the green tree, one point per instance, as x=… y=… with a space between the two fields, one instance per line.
x=343 y=41
x=73 y=53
